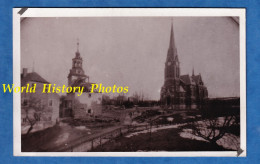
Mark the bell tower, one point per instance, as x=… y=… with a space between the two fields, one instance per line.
x=76 y=72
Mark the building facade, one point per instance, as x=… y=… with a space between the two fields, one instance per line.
x=39 y=108
x=88 y=104
x=180 y=91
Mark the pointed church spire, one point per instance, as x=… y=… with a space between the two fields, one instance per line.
x=172 y=44
x=193 y=71
x=172 y=51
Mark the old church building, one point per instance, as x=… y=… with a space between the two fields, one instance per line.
x=88 y=104
x=181 y=91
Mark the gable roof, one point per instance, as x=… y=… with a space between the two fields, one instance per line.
x=197 y=79
x=34 y=77
x=186 y=79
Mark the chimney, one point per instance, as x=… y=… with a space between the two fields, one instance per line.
x=24 y=72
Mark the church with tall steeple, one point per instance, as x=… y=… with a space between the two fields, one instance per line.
x=180 y=91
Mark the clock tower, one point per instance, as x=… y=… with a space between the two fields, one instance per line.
x=171 y=87
x=76 y=72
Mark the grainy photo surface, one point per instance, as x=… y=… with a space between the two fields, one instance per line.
x=130 y=84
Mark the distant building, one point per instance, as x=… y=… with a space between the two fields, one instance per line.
x=84 y=106
x=38 y=106
x=181 y=91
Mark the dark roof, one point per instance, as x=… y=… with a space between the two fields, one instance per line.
x=187 y=79
x=34 y=77
x=197 y=79
x=81 y=83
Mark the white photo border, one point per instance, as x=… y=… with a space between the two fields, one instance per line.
x=128 y=12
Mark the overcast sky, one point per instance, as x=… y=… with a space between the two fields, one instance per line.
x=132 y=51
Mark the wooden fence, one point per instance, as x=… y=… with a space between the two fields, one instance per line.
x=87 y=143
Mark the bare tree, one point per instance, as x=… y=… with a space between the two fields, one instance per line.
x=37 y=107
x=213 y=129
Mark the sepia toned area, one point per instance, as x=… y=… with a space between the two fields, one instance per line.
x=182 y=73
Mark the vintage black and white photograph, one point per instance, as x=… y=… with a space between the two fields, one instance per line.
x=131 y=83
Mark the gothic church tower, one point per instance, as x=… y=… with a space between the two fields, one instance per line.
x=172 y=64
x=171 y=87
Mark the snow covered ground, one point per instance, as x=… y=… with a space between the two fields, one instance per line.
x=228 y=141
x=154 y=129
